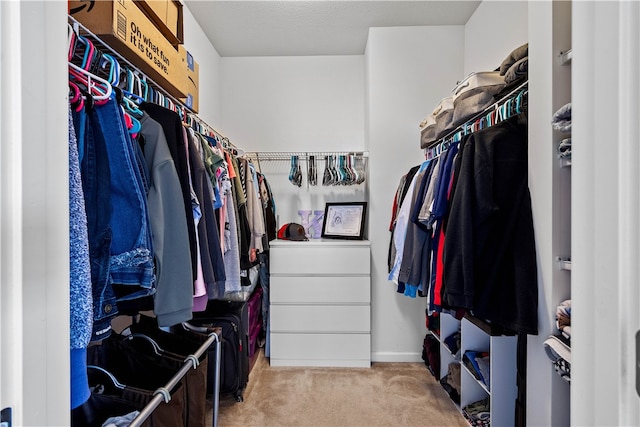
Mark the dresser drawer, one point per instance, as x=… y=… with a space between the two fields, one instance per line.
x=320 y=350
x=320 y=319
x=318 y=289
x=320 y=260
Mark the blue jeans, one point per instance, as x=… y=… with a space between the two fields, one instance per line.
x=131 y=262
x=96 y=183
x=120 y=247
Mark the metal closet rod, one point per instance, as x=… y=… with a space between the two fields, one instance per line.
x=102 y=45
x=286 y=155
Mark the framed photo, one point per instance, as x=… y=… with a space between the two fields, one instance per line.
x=344 y=220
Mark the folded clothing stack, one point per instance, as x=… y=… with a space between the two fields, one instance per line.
x=478 y=413
x=561 y=120
x=451 y=382
x=516 y=65
x=453 y=343
x=478 y=363
x=564 y=148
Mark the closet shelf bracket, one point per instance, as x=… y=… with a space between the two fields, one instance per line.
x=565 y=162
x=564 y=263
x=565 y=57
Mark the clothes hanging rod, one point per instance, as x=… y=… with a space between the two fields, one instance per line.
x=77 y=25
x=162 y=394
x=286 y=155
x=466 y=123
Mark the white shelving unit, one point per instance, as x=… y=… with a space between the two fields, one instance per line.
x=502 y=388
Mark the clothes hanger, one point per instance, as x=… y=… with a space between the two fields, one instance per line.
x=73 y=38
x=349 y=170
x=88 y=52
x=75 y=97
x=363 y=169
x=353 y=166
x=332 y=169
x=326 y=175
x=154 y=345
x=113 y=73
x=99 y=88
x=81 y=73
x=113 y=379
x=339 y=167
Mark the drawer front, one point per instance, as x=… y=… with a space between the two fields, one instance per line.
x=319 y=349
x=309 y=260
x=320 y=318
x=317 y=289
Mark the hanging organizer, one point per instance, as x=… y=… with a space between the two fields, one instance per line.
x=161 y=395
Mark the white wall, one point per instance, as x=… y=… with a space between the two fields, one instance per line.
x=494 y=30
x=294 y=103
x=409 y=69
x=197 y=43
x=313 y=103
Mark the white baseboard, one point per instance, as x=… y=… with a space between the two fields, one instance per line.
x=385 y=356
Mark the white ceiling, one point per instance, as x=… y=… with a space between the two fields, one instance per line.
x=320 y=27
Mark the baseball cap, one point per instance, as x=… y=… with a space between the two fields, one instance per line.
x=292 y=231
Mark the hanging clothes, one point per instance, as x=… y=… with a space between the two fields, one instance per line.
x=254 y=209
x=401 y=192
x=416 y=237
x=489 y=252
x=80 y=299
x=172 y=302
x=400 y=230
x=119 y=235
x=208 y=235
x=172 y=126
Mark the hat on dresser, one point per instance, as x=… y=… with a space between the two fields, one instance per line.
x=292 y=231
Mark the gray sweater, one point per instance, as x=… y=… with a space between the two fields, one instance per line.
x=173 y=301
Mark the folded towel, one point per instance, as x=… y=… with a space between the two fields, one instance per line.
x=563 y=113
x=564 y=148
x=562 y=118
x=518 y=69
x=516 y=55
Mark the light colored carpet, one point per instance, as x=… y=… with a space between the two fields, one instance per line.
x=387 y=394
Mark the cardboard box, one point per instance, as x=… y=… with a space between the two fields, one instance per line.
x=123 y=26
x=191 y=79
x=166 y=16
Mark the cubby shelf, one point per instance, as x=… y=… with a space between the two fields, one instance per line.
x=478 y=336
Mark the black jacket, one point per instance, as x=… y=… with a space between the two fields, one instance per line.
x=489 y=251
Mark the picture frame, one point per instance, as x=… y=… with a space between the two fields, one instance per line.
x=344 y=220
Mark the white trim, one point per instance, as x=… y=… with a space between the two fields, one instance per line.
x=629 y=245
x=34 y=249
x=11 y=355
x=606 y=202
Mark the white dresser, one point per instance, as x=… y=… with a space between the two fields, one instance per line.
x=320 y=303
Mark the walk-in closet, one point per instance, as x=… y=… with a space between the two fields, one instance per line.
x=282 y=213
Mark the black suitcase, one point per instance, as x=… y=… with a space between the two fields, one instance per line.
x=234 y=363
